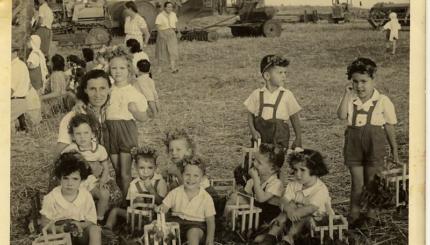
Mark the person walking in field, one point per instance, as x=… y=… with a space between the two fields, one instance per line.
x=135 y=26
x=44 y=29
x=392 y=28
x=370 y=117
x=167 y=41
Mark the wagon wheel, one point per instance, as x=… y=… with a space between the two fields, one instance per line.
x=212 y=36
x=98 y=35
x=271 y=28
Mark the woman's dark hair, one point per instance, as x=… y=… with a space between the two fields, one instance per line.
x=74 y=59
x=194 y=160
x=167 y=3
x=313 y=160
x=79 y=119
x=88 y=54
x=134 y=45
x=178 y=134
x=275 y=153
x=70 y=162
x=83 y=83
x=131 y=5
x=363 y=66
x=58 y=63
x=144 y=66
x=145 y=152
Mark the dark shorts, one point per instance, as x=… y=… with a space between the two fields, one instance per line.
x=121 y=136
x=364 y=146
x=186 y=225
x=273 y=131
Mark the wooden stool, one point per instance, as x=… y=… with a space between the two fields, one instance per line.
x=395 y=176
x=140 y=209
x=335 y=222
x=166 y=229
x=250 y=151
x=53 y=237
x=242 y=211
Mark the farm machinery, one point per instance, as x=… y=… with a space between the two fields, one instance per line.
x=378 y=14
x=341 y=11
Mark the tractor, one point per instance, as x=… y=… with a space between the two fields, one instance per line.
x=341 y=11
x=378 y=14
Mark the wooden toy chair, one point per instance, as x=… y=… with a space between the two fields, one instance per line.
x=223 y=187
x=242 y=211
x=335 y=222
x=396 y=176
x=249 y=152
x=161 y=230
x=53 y=238
x=141 y=209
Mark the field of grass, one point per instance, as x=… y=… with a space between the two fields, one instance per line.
x=206 y=98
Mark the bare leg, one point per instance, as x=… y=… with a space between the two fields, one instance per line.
x=194 y=235
x=115 y=163
x=125 y=165
x=102 y=195
x=357 y=180
x=369 y=175
x=232 y=201
x=95 y=235
x=113 y=217
x=394 y=47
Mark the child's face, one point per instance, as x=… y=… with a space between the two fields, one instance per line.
x=276 y=75
x=145 y=168
x=71 y=182
x=192 y=176
x=363 y=85
x=119 y=69
x=262 y=164
x=302 y=173
x=179 y=149
x=83 y=135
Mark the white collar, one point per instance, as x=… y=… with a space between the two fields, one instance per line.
x=280 y=88
x=58 y=196
x=313 y=188
x=375 y=97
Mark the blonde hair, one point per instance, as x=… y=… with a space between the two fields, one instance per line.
x=121 y=52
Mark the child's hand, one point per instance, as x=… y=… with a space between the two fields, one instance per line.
x=349 y=90
x=254 y=174
x=255 y=135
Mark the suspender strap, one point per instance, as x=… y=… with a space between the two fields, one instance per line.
x=260 y=111
x=139 y=188
x=278 y=100
x=370 y=112
x=354 y=115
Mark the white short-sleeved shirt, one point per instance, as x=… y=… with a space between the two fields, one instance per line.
x=46 y=13
x=316 y=195
x=55 y=206
x=288 y=105
x=20 y=82
x=119 y=100
x=166 y=21
x=197 y=209
x=133 y=190
x=97 y=154
x=146 y=86
x=384 y=111
x=137 y=57
x=394 y=27
x=133 y=25
x=272 y=185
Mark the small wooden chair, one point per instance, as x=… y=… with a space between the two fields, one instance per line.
x=141 y=210
x=248 y=154
x=335 y=222
x=223 y=187
x=242 y=211
x=51 y=237
x=397 y=176
x=164 y=229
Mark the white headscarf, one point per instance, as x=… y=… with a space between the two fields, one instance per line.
x=37 y=57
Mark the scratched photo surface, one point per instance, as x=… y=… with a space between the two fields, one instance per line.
x=220 y=44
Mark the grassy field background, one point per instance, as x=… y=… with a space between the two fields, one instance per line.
x=206 y=98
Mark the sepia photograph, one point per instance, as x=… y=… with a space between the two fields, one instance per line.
x=225 y=122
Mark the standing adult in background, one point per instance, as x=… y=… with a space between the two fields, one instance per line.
x=20 y=85
x=44 y=25
x=135 y=26
x=37 y=64
x=167 y=42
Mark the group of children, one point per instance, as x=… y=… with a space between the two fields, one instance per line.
x=184 y=188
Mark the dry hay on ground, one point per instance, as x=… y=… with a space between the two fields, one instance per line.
x=206 y=97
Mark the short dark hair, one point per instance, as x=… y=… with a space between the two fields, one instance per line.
x=146 y=152
x=83 y=83
x=144 y=66
x=131 y=5
x=363 y=66
x=88 y=54
x=272 y=60
x=275 y=153
x=81 y=118
x=193 y=160
x=58 y=63
x=313 y=160
x=134 y=45
x=70 y=162
x=74 y=59
x=166 y=3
